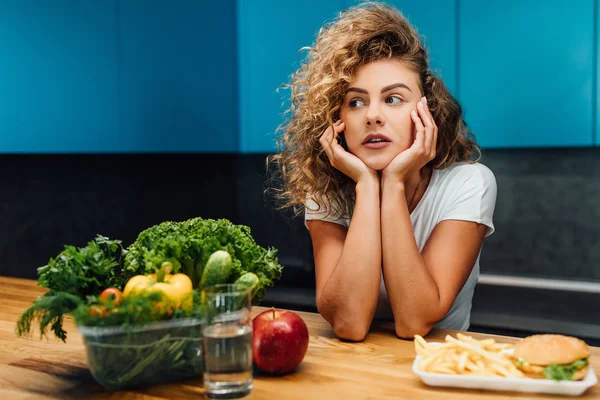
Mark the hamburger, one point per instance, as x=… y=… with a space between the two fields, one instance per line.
x=554 y=357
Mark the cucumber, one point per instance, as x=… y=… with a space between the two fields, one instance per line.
x=217 y=269
x=249 y=280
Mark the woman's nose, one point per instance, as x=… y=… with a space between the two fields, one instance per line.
x=374 y=116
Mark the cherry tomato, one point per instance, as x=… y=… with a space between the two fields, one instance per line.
x=112 y=294
x=98 y=311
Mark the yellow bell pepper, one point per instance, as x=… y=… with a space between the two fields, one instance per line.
x=176 y=287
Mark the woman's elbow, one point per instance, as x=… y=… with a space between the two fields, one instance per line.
x=350 y=331
x=409 y=331
x=353 y=329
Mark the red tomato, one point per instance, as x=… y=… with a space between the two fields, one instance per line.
x=98 y=311
x=112 y=294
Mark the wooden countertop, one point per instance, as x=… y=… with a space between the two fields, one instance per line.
x=378 y=368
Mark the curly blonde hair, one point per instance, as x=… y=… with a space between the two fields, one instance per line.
x=361 y=34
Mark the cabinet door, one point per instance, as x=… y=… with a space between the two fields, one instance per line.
x=526 y=71
x=270 y=35
x=178 y=82
x=597 y=88
x=58 y=76
x=436 y=21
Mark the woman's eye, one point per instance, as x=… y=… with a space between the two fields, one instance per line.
x=393 y=100
x=356 y=103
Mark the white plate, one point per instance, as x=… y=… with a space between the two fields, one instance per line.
x=529 y=385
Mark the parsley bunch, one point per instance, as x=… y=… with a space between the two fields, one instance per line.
x=73 y=276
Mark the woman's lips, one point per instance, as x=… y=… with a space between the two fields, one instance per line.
x=376 y=145
x=376 y=141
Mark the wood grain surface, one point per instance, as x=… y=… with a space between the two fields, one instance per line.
x=378 y=368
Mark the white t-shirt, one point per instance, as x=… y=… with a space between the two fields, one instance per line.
x=462 y=191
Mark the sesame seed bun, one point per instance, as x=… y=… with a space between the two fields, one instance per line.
x=545 y=350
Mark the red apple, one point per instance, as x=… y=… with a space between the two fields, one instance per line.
x=279 y=341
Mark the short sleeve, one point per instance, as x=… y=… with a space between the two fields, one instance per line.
x=474 y=198
x=313 y=211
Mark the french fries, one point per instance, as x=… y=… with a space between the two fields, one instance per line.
x=465 y=355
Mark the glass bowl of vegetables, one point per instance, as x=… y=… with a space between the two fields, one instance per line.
x=150 y=333
x=157 y=352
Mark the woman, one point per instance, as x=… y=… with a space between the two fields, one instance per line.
x=378 y=156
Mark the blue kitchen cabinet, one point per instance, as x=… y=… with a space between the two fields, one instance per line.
x=526 y=72
x=178 y=76
x=270 y=35
x=597 y=88
x=118 y=76
x=58 y=76
x=436 y=22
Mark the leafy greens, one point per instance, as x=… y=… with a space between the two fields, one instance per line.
x=189 y=244
x=564 y=372
x=70 y=278
x=77 y=276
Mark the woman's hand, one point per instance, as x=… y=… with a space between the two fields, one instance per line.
x=346 y=162
x=422 y=150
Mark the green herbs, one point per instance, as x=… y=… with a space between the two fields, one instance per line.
x=84 y=271
x=70 y=278
x=564 y=372
x=46 y=310
x=189 y=244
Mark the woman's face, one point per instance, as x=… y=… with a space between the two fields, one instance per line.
x=376 y=111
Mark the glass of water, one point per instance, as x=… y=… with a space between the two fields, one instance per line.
x=227 y=341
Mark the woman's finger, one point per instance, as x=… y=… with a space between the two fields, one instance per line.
x=339 y=128
x=325 y=136
x=336 y=146
x=329 y=140
x=429 y=125
x=424 y=113
x=433 y=147
x=326 y=141
x=420 y=130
